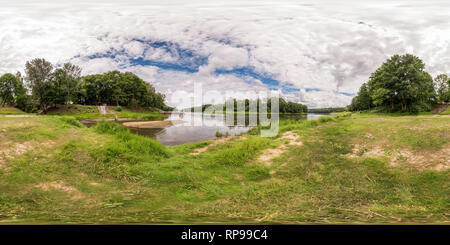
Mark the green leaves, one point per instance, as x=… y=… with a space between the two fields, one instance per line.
x=401 y=83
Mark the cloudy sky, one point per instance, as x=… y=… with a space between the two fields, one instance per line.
x=314 y=52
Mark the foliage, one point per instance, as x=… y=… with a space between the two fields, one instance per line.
x=248 y=106
x=12 y=91
x=218 y=134
x=442 y=86
x=65 y=85
x=327 y=110
x=38 y=75
x=400 y=84
x=116 y=88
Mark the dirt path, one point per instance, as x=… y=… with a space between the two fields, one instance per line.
x=215 y=143
x=268 y=155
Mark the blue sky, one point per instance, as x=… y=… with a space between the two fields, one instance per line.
x=314 y=52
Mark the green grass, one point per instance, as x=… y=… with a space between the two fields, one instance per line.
x=7 y=110
x=67 y=173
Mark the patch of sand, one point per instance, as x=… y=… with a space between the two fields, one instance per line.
x=60 y=186
x=293 y=138
x=6 y=151
x=438 y=161
x=9 y=150
x=213 y=144
x=268 y=155
x=15 y=116
x=152 y=124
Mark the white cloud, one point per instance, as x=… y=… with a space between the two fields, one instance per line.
x=329 y=45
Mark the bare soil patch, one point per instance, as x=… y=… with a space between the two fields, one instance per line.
x=17 y=116
x=9 y=150
x=60 y=186
x=437 y=160
x=214 y=143
x=268 y=155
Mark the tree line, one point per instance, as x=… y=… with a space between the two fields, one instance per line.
x=244 y=106
x=402 y=84
x=44 y=86
x=327 y=110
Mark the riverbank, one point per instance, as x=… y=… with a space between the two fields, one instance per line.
x=92 y=112
x=349 y=169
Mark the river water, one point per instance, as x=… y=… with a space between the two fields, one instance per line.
x=195 y=127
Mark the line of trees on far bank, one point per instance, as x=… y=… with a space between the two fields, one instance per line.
x=244 y=106
x=402 y=84
x=43 y=87
x=327 y=110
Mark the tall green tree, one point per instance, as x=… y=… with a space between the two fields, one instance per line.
x=402 y=83
x=72 y=79
x=38 y=74
x=442 y=86
x=11 y=89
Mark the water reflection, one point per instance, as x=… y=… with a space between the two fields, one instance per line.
x=197 y=127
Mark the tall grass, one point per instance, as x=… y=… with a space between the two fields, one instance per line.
x=117 y=157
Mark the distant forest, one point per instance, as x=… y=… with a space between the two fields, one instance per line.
x=44 y=87
x=327 y=110
x=402 y=84
x=244 y=106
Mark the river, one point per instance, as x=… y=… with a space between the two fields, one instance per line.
x=195 y=127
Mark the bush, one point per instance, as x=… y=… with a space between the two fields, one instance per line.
x=134 y=143
x=110 y=128
x=324 y=119
x=118 y=108
x=71 y=121
x=218 y=134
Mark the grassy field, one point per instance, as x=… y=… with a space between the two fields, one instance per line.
x=360 y=168
x=7 y=110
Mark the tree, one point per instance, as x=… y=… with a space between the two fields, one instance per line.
x=38 y=74
x=6 y=89
x=72 y=78
x=9 y=89
x=401 y=83
x=442 y=86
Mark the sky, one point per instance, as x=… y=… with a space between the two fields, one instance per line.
x=314 y=52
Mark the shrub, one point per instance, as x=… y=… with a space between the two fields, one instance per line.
x=71 y=121
x=134 y=143
x=323 y=119
x=110 y=128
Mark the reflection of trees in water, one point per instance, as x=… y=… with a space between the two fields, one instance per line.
x=149 y=132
